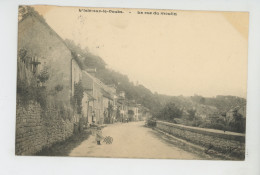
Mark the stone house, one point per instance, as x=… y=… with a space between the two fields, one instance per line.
x=99 y=95
x=122 y=104
x=132 y=106
x=108 y=107
x=109 y=102
x=43 y=44
x=143 y=113
x=44 y=51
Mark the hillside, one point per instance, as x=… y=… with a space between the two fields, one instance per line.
x=154 y=101
x=139 y=93
x=142 y=95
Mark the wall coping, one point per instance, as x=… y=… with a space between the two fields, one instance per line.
x=207 y=131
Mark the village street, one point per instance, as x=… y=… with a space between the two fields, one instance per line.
x=131 y=140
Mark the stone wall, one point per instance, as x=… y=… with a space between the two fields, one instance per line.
x=36 y=130
x=228 y=144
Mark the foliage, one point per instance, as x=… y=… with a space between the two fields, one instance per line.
x=213 y=125
x=78 y=96
x=63 y=110
x=43 y=76
x=78 y=60
x=191 y=113
x=84 y=57
x=238 y=123
x=28 y=88
x=58 y=88
x=28 y=92
x=25 y=11
x=22 y=53
x=151 y=122
x=202 y=100
x=220 y=122
x=169 y=112
x=222 y=103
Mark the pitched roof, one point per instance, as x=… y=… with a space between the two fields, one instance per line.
x=42 y=21
x=45 y=24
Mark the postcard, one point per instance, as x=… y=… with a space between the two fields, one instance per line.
x=131 y=83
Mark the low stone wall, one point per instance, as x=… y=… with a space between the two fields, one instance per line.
x=34 y=132
x=219 y=142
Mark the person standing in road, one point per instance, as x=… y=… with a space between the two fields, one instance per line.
x=99 y=135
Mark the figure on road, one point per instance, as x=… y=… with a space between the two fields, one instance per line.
x=99 y=135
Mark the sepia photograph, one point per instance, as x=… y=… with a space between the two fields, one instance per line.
x=131 y=83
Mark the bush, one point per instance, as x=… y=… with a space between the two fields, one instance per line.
x=31 y=87
x=219 y=126
x=192 y=114
x=78 y=95
x=26 y=93
x=204 y=125
x=238 y=124
x=151 y=122
x=169 y=112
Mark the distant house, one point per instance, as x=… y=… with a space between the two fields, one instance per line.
x=132 y=106
x=143 y=113
x=122 y=103
x=122 y=94
x=44 y=46
x=100 y=97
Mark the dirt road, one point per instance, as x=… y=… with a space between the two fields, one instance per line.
x=131 y=140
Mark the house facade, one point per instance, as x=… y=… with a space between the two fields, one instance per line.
x=45 y=74
x=49 y=52
x=101 y=102
x=42 y=45
x=133 y=112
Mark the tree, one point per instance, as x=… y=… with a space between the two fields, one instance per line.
x=192 y=113
x=169 y=112
x=238 y=123
x=78 y=95
x=202 y=100
x=25 y=11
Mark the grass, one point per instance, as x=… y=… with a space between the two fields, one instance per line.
x=64 y=148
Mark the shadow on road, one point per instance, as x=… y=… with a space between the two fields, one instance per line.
x=64 y=148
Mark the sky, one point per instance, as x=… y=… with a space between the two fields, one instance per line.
x=193 y=52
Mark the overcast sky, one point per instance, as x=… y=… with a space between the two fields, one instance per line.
x=202 y=53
